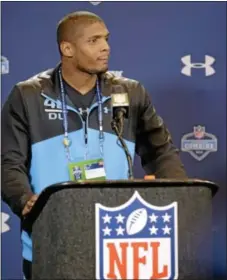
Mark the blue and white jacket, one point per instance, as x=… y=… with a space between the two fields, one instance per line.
x=33 y=156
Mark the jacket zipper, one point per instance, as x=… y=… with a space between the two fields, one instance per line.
x=84 y=123
x=95 y=105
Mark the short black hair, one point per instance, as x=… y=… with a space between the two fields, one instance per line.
x=67 y=25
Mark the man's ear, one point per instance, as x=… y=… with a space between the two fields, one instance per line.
x=66 y=49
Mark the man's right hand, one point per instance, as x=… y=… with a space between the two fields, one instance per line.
x=28 y=206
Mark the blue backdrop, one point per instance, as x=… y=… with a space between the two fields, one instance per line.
x=164 y=45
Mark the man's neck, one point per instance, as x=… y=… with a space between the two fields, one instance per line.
x=80 y=81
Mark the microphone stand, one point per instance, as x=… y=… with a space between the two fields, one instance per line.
x=128 y=156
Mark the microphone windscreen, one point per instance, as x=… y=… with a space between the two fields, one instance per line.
x=120 y=101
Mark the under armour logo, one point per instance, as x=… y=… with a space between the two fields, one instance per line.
x=106 y=110
x=81 y=111
x=5 y=226
x=187 y=69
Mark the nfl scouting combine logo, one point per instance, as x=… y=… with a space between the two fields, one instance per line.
x=4 y=65
x=199 y=143
x=136 y=240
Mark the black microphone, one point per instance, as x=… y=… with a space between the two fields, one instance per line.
x=120 y=110
x=120 y=105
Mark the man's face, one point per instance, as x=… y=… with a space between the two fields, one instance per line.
x=91 y=49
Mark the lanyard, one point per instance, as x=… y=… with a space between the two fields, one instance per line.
x=66 y=140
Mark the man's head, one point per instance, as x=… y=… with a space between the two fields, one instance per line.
x=83 y=41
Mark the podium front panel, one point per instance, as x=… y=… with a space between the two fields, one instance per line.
x=65 y=241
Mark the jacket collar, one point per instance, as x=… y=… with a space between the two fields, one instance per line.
x=50 y=83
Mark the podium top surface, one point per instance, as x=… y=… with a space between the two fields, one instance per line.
x=163 y=182
x=138 y=183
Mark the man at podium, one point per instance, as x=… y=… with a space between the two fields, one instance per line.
x=59 y=123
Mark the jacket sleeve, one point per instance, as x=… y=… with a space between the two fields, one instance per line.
x=16 y=190
x=154 y=145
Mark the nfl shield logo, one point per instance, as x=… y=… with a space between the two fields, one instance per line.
x=136 y=240
x=199 y=131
